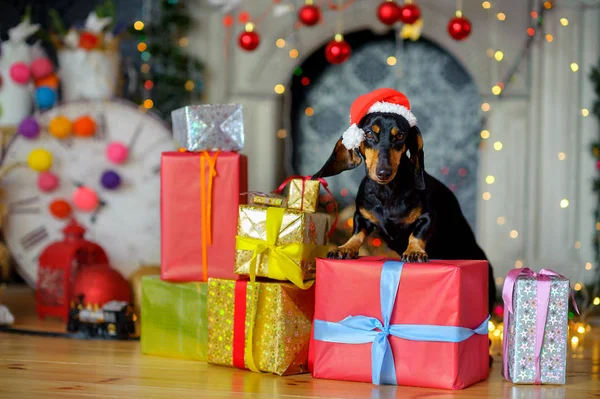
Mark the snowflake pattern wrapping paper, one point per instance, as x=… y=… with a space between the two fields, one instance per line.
x=521 y=334
x=209 y=127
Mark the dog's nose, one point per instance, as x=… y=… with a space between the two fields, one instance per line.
x=384 y=173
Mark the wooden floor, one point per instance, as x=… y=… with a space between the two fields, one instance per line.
x=46 y=367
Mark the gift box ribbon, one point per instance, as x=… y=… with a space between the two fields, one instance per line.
x=239 y=326
x=365 y=329
x=206 y=186
x=282 y=258
x=544 y=279
x=323 y=184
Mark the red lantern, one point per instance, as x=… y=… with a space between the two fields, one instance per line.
x=98 y=285
x=410 y=13
x=58 y=264
x=459 y=28
x=249 y=40
x=389 y=12
x=338 y=50
x=309 y=14
x=88 y=41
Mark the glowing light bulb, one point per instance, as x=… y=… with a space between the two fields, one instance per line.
x=486 y=196
x=496 y=90
x=577 y=287
x=491 y=325
x=279 y=89
x=574 y=67
x=294 y=53
x=564 y=21
x=514 y=234
x=501 y=16
x=189 y=85
x=485 y=107
x=501 y=220
x=281 y=133
x=588 y=266
x=596 y=301
x=138 y=25
x=562 y=156
x=564 y=203
x=549 y=38
x=280 y=43
x=518 y=264
x=577 y=244
x=499 y=55
x=148 y=103
x=485 y=134
x=585 y=112
x=309 y=111
x=490 y=179
x=391 y=60
x=498 y=145
x=581 y=329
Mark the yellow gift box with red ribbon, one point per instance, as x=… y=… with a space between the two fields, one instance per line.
x=262 y=326
x=278 y=243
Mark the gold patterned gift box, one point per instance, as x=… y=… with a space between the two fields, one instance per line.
x=263 y=326
x=174 y=319
x=303 y=195
x=279 y=243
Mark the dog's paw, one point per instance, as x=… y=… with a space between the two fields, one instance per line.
x=414 y=256
x=343 y=253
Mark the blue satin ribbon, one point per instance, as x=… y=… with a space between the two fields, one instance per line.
x=363 y=329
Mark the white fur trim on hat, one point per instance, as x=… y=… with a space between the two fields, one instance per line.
x=392 y=108
x=353 y=136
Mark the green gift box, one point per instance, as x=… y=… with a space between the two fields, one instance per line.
x=174 y=319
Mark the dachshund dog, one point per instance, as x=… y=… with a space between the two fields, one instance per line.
x=415 y=214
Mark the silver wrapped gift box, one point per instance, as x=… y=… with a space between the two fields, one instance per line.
x=209 y=127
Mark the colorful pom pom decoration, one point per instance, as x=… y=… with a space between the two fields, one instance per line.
x=60 y=127
x=45 y=97
x=29 y=128
x=60 y=209
x=50 y=81
x=85 y=199
x=110 y=180
x=84 y=126
x=41 y=67
x=117 y=152
x=40 y=160
x=47 y=182
x=19 y=73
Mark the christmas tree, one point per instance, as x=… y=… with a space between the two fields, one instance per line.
x=169 y=77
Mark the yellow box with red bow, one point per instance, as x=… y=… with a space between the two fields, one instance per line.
x=259 y=326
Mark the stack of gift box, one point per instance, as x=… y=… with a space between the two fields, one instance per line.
x=237 y=285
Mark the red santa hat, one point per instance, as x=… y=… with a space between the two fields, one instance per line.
x=379 y=100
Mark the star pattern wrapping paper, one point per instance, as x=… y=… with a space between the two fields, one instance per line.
x=209 y=127
x=281 y=329
x=522 y=333
x=306 y=201
x=297 y=227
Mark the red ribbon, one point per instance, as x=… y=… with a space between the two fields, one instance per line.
x=325 y=186
x=239 y=323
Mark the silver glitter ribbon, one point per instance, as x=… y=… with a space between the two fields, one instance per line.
x=209 y=127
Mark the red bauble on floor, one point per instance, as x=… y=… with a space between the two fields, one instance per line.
x=389 y=12
x=249 y=41
x=337 y=51
x=410 y=13
x=309 y=14
x=100 y=284
x=459 y=28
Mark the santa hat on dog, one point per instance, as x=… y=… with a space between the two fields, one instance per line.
x=379 y=100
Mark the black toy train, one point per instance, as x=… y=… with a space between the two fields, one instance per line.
x=114 y=320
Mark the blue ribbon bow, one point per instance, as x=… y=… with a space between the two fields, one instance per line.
x=363 y=329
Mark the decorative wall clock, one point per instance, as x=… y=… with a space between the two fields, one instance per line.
x=97 y=161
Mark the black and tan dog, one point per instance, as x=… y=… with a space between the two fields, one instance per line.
x=417 y=215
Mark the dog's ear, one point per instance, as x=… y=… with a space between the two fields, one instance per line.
x=340 y=160
x=415 y=146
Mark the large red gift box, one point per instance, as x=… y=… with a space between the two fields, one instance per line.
x=199 y=213
x=431 y=299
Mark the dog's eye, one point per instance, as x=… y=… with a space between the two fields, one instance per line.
x=400 y=136
x=369 y=134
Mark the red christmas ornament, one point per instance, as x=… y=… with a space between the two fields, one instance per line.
x=88 y=41
x=459 y=28
x=410 y=13
x=59 y=263
x=598 y=165
x=100 y=284
x=249 y=40
x=337 y=51
x=389 y=12
x=309 y=14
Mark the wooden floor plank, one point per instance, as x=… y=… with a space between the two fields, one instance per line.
x=46 y=367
